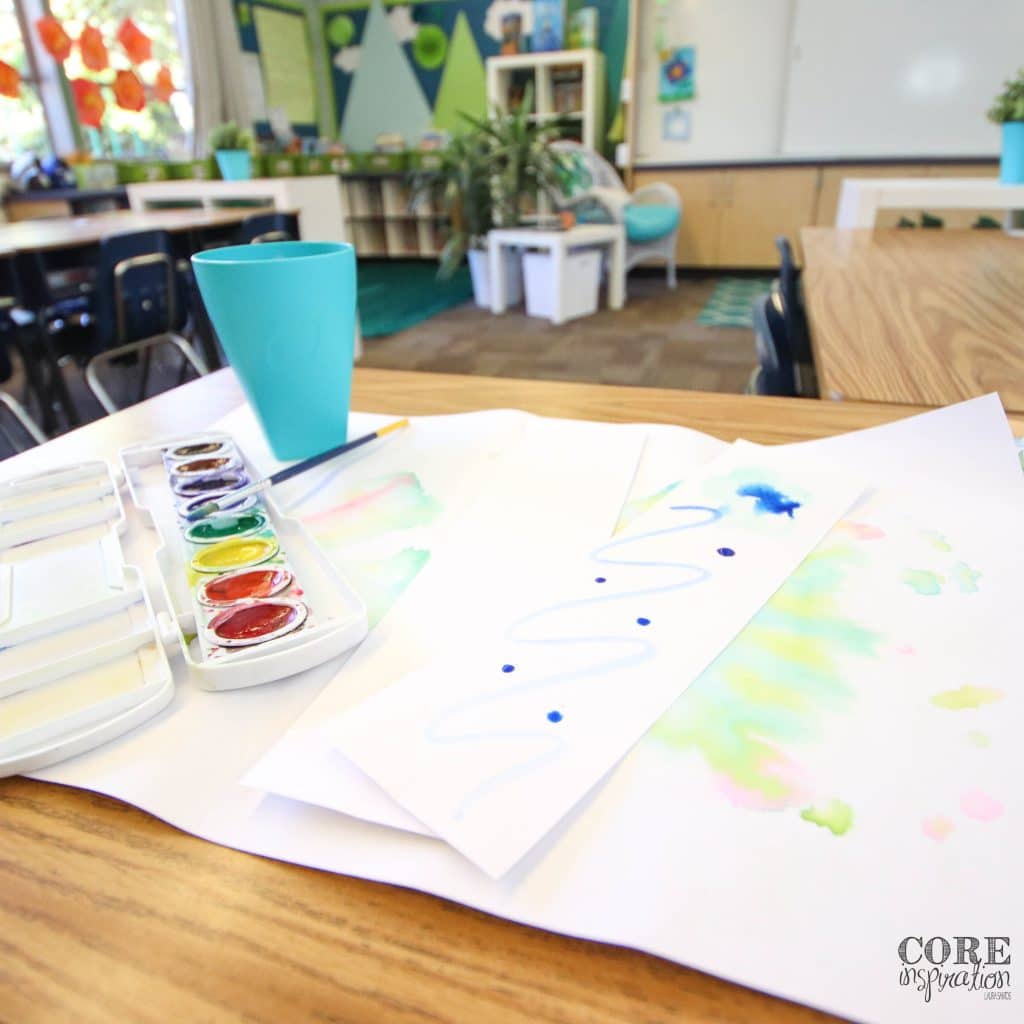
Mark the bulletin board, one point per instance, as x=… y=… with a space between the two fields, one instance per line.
x=411 y=67
x=277 y=33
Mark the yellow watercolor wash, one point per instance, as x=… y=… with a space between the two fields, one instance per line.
x=966 y=697
x=937 y=828
x=977 y=738
x=236 y=553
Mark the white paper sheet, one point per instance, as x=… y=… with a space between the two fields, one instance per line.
x=695 y=847
x=306 y=764
x=493 y=743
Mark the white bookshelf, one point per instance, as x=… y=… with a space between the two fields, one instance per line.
x=543 y=69
x=384 y=223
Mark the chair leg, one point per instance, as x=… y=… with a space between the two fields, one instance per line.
x=670 y=272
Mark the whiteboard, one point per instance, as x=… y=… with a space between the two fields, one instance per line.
x=877 y=78
x=828 y=79
x=740 y=79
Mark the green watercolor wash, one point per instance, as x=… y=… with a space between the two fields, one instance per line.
x=966 y=697
x=936 y=540
x=380 y=582
x=979 y=739
x=636 y=507
x=774 y=685
x=965 y=578
x=923 y=582
x=834 y=815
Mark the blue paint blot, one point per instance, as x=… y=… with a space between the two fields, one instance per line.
x=508 y=668
x=768 y=499
x=643 y=622
x=726 y=552
x=554 y=716
x=600 y=579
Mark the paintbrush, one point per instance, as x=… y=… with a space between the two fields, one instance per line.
x=213 y=507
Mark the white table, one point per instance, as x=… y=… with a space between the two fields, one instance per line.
x=862 y=198
x=559 y=243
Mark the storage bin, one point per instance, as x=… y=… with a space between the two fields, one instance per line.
x=580 y=284
x=279 y=165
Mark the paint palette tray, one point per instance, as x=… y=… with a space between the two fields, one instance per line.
x=81 y=650
x=322 y=616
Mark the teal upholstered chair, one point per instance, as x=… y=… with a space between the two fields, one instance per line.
x=651 y=214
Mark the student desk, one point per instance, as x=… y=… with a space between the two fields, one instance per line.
x=75 y=232
x=98 y=900
x=925 y=316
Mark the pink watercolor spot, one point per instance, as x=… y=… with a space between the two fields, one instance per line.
x=861 y=531
x=784 y=780
x=977 y=804
x=937 y=828
x=906 y=649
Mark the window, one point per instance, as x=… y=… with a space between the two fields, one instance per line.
x=23 y=122
x=161 y=129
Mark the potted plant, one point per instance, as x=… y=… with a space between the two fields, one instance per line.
x=459 y=185
x=1008 y=110
x=483 y=177
x=232 y=147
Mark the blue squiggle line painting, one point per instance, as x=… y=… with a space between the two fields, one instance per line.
x=768 y=499
x=634 y=650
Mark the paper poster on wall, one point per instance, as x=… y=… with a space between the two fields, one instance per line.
x=675 y=125
x=287 y=63
x=676 y=77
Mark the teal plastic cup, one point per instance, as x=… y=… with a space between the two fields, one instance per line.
x=285 y=315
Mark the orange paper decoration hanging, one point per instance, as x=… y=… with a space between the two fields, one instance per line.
x=163 y=84
x=136 y=43
x=10 y=81
x=89 y=102
x=128 y=91
x=55 y=40
x=93 y=49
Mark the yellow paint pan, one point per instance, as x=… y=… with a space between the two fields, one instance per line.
x=236 y=553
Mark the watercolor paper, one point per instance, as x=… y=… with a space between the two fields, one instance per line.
x=306 y=763
x=492 y=744
x=696 y=847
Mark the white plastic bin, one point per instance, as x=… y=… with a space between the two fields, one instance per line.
x=580 y=285
x=480 y=272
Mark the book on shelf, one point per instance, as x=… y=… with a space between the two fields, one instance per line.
x=582 y=33
x=548 y=25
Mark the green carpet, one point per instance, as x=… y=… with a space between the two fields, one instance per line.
x=732 y=300
x=395 y=294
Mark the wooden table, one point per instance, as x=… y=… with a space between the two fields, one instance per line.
x=106 y=913
x=925 y=317
x=71 y=232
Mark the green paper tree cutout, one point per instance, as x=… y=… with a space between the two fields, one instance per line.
x=463 y=86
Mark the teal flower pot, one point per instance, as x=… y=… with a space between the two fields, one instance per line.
x=1011 y=167
x=234 y=164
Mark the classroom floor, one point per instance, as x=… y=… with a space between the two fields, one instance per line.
x=654 y=341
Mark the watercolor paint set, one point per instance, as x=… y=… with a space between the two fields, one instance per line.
x=248 y=596
x=253 y=595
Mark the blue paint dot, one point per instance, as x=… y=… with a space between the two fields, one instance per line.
x=643 y=622
x=726 y=552
x=554 y=716
x=508 y=668
x=600 y=579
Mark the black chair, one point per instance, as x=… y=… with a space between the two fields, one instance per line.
x=269 y=227
x=139 y=305
x=33 y=317
x=782 y=336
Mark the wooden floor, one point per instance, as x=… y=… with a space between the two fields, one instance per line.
x=654 y=341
